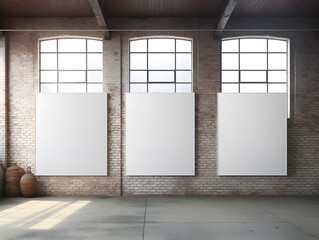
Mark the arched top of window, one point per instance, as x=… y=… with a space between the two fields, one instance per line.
x=161 y=44
x=71 y=65
x=255 y=44
x=160 y=64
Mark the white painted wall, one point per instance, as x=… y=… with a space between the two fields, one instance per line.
x=252 y=134
x=160 y=134
x=71 y=134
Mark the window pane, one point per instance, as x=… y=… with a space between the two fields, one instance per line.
x=71 y=76
x=138 y=46
x=138 y=61
x=183 y=61
x=161 y=45
x=161 y=88
x=138 y=76
x=277 y=46
x=48 y=46
x=230 y=46
x=277 y=76
x=229 y=61
x=95 y=88
x=95 y=46
x=161 y=76
x=253 y=61
x=73 y=61
x=48 y=76
x=229 y=76
x=95 y=76
x=161 y=61
x=48 y=88
x=277 y=88
x=72 y=88
x=253 y=45
x=183 y=76
x=72 y=45
x=253 y=88
x=95 y=61
x=183 y=46
x=230 y=88
x=48 y=61
x=138 y=88
x=253 y=76
x=277 y=61
x=183 y=88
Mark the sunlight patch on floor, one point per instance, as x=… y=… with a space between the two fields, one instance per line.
x=23 y=212
x=58 y=217
x=42 y=214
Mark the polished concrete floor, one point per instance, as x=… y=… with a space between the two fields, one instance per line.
x=217 y=218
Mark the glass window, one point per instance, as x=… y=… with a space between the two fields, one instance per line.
x=138 y=88
x=72 y=45
x=160 y=65
x=254 y=65
x=161 y=45
x=68 y=65
x=48 y=46
x=161 y=76
x=158 y=61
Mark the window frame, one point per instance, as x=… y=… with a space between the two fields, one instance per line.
x=287 y=83
x=147 y=70
x=57 y=70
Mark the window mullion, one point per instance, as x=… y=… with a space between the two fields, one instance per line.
x=239 y=70
x=147 y=70
x=86 y=65
x=57 y=65
x=267 y=68
x=175 y=68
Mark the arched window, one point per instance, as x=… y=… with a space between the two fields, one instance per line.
x=71 y=65
x=161 y=64
x=255 y=65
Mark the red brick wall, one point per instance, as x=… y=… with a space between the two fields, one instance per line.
x=303 y=137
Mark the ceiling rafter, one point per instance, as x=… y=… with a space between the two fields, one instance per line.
x=224 y=16
x=100 y=17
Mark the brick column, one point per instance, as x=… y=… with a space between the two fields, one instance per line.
x=2 y=99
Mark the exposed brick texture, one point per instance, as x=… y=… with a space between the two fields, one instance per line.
x=2 y=100
x=303 y=125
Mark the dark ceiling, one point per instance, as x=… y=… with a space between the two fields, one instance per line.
x=158 y=8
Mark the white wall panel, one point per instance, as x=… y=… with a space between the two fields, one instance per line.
x=71 y=134
x=252 y=134
x=160 y=134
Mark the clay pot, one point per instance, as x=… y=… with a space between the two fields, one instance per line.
x=28 y=184
x=1 y=180
x=12 y=184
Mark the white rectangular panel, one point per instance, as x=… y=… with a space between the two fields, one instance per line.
x=252 y=134
x=160 y=134
x=71 y=134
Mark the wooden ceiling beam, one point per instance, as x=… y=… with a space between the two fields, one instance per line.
x=224 y=16
x=100 y=17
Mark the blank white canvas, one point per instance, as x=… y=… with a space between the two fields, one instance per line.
x=71 y=134
x=160 y=134
x=252 y=134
